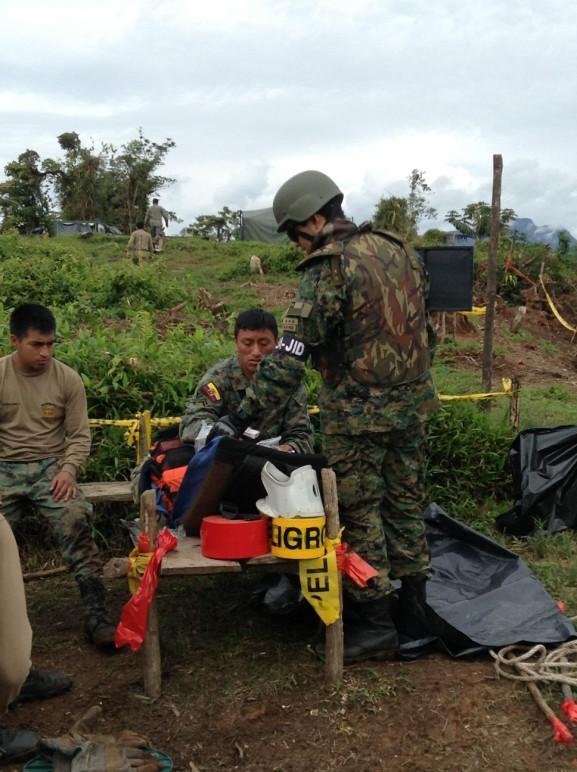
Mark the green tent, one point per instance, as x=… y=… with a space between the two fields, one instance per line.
x=260 y=225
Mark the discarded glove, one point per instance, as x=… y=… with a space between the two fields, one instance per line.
x=83 y=751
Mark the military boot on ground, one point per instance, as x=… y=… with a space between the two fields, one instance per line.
x=43 y=684
x=415 y=619
x=369 y=630
x=16 y=745
x=98 y=627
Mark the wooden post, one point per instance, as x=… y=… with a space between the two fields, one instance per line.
x=492 y=274
x=514 y=409
x=144 y=436
x=151 y=646
x=334 y=632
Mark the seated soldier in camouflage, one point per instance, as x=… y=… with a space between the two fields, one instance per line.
x=222 y=389
x=44 y=441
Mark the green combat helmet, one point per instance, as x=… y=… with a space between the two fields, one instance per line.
x=303 y=195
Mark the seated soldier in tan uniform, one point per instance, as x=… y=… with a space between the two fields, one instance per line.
x=44 y=442
x=17 y=682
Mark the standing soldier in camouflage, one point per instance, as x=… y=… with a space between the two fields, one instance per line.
x=44 y=441
x=154 y=218
x=222 y=389
x=360 y=316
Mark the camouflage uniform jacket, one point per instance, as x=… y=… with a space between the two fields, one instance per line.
x=221 y=391
x=373 y=356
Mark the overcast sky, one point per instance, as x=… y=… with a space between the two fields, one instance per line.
x=254 y=91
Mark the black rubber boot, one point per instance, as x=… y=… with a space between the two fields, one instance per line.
x=415 y=619
x=42 y=684
x=16 y=745
x=98 y=627
x=369 y=630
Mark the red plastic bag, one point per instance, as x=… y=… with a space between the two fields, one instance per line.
x=131 y=629
x=354 y=566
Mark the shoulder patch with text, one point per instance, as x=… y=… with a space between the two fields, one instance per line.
x=290 y=346
x=210 y=391
x=290 y=324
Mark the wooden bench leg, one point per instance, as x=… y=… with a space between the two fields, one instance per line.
x=334 y=633
x=152 y=666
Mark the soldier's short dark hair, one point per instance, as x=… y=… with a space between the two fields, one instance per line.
x=155 y=201
x=140 y=224
x=255 y=319
x=31 y=316
x=333 y=209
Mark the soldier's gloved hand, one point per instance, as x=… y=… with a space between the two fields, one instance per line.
x=227 y=426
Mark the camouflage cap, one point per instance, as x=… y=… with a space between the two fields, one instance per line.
x=303 y=195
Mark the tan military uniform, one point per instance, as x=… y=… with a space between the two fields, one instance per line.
x=15 y=630
x=140 y=245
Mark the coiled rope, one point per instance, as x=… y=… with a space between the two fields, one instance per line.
x=537 y=664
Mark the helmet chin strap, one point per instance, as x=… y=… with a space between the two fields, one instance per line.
x=305 y=236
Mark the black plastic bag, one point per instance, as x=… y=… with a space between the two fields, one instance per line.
x=544 y=468
x=482 y=595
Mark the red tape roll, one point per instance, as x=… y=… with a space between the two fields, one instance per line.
x=224 y=539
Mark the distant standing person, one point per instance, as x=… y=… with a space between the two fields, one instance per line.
x=155 y=216
x=44 y=441
x=140 y=246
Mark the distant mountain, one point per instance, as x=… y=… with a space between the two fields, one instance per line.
x=539 y=234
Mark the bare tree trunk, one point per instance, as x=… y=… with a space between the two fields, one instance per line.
x=492 y=274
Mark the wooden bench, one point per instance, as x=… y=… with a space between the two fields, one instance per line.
x=107 y=491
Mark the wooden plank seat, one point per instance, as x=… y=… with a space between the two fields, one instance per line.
x=107 y=491
x=187 y=559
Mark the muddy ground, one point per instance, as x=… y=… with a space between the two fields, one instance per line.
x=242 y=691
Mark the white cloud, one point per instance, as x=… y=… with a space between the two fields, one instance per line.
x=12 y=102
x=254 y=91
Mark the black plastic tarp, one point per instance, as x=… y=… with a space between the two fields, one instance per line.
x=484 y=595
x=544 y=468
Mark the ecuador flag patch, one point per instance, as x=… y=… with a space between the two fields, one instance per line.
x=210 y=390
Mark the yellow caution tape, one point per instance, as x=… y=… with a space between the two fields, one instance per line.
x=298 y=538
x=138 y=562
x=556 y=313
x=320 y=582
x=475 y=311
x=133 y=425
x=507 y=392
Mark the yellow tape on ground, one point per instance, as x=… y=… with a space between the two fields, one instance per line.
x=556 y=313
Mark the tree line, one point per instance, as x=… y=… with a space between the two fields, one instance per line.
x=110 y=185
x=114 y=186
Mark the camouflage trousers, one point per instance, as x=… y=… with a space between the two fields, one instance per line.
x=28 y=484
x=381 y=503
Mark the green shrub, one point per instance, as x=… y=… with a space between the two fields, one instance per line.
x=468 y=457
